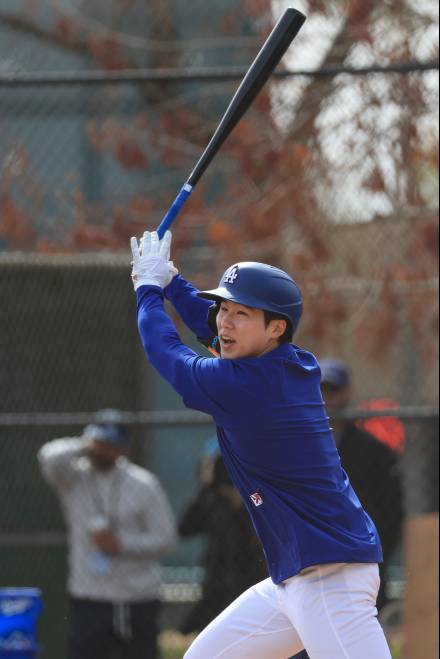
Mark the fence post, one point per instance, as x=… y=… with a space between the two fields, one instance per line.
x=422 y=541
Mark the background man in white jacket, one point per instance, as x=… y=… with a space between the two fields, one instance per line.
x=119 y=525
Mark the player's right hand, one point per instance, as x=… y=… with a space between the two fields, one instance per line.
x=151 y=260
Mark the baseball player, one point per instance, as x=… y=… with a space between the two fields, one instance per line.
x=322 y=549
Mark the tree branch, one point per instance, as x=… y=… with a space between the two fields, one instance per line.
x=24 y=26
x=309 y=107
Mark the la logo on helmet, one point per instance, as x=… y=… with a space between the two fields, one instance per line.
x=231 y=275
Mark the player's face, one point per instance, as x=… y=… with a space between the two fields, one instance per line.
x=242 y=331
x=335 y=398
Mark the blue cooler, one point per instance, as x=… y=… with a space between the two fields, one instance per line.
x=19 y=612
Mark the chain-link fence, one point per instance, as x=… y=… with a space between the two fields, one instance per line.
x=338 y=185
x=332 y=174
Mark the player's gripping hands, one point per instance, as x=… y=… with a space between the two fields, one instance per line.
x=151 y=260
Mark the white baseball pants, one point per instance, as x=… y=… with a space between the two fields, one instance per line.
x=330 y=610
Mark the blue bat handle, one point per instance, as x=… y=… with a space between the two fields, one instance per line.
x=174 y=210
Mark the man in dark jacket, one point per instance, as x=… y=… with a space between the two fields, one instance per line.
x=371 y=465
x=233 y=559
x=373 y=468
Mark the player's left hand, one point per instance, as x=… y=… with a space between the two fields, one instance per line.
x=151 y=260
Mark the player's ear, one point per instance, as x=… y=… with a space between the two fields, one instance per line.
x=278 y=327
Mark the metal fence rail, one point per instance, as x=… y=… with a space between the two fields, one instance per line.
x=178 y=417
x=212 y=74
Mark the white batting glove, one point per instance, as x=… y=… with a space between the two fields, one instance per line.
x=151 y=260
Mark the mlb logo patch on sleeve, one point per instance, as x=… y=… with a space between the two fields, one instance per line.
x=257 y=499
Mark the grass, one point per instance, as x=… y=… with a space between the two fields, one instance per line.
x=173 y=645
x=173 y=654
x=396 y=651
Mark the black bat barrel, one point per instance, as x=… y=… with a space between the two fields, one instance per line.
x=264 y=64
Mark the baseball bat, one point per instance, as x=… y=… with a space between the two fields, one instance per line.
x=260 y=70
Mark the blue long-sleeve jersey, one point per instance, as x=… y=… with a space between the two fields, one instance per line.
x=274 y=436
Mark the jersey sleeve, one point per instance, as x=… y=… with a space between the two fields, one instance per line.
x=192 y=309
x=206 y=384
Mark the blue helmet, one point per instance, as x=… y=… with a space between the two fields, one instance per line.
x=260 y=286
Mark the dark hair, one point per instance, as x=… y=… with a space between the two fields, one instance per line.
x=287 y=336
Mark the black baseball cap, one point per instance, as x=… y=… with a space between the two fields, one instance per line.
x=334 y=373
x=111 y=433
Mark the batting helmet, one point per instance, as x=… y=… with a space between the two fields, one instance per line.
x=260 y=286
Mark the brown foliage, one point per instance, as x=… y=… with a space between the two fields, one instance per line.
x=86 y=236
x=324 y=314
x=280 y=182
x=378 y=332
x=130 y=155
x=256 y=7
x=223 y=233
x=376 y=182
x=66 y=29
x=359 y=10
x=123 y=142
x=424 y=244
x=108 y=53
x=132 y=219
x=16 y=226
